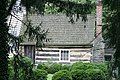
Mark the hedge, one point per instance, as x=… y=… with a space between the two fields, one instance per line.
x=40 y=74
x=79 y=75
x=62 y=75
x=95 y=74
x=78 y=71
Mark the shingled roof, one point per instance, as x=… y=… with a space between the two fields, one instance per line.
x=62 y=32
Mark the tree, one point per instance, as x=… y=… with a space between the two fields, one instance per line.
x=4 y=12
x=112 y=25
x=35 y=33
x=70 y=8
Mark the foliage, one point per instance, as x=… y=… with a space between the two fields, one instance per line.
x=55 y=67
x=89 y=69
x=62 y=75
x=52 y=9
x=85 y=66
x=43 y=66
x=95 y=74
x=78 y=70
x=51 y=68
x=82 y=66
x=35 y=33
x=66 y=67
x=79 y=74
x=112 y=25
x=10 y=71
x=101 y=66
x=20 y=68
x=40 y=74
x=70 y=8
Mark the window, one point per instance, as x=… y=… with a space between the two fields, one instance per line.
x=64 y=55
x=108 y=57
x=29 y=51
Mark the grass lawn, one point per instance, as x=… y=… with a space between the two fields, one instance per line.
x=49 y=76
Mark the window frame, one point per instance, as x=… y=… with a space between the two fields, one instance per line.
x=68 y=60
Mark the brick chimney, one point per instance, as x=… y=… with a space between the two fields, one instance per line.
x=98 y=17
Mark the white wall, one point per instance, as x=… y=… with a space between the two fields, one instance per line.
x=54 y=55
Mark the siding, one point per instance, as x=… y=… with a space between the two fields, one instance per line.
x=54 y=55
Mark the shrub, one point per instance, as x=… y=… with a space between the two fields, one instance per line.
x=101 y=66
x=42 y=66
x=83 y=66
x=55 y=67
x=78 y=65
x=95 y=74
x=10 y=72
x=23 y=67
x=65 y=67
x=79 y=75
x=50 y=68
x=62 y=75
x=93 y=71
x=40 y=74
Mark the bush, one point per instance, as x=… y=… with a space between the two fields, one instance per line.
x=50 y=68
x=79 y=75
x=40 y=74
x=10 y=72
x=101 y=66
x=55 y=67
x=42 y=66
x=62 y=75
x=83 y=66
x=89 y=74
x=79 y=70
x=65 y=67
x=93 y=71
x=95 y=74
x=23 y=67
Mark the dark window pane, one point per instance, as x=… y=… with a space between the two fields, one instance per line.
x=64 y=55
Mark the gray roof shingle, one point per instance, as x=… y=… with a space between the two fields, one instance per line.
x=62 y=32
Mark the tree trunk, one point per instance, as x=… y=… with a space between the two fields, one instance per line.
x=3 y=40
